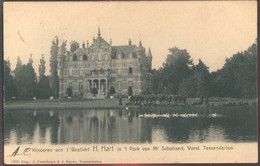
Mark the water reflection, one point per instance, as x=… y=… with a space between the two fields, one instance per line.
x=121 y=126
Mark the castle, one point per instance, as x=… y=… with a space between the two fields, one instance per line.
x=102 y=65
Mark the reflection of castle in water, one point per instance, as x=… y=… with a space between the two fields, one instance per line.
x=96 y=126
x=117 y=126
x=77 y=126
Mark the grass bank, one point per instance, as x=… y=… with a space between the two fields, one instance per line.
x=99 y=103
x=63 y=104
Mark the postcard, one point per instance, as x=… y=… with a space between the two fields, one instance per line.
x=130 y=82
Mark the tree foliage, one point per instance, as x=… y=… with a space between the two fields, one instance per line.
x=9 y=84
x=197 y=85
x=176 y=67
x=18 y=65
x=43 y=83
x=42 y=67
x=25 y=80
x=238 y=76
x=178 y=75
x=112 y=90
x=54 y=79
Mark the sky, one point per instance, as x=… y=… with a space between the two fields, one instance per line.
x=209 y=30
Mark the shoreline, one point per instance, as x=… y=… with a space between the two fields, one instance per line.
x=65 y=104
x=96 y=104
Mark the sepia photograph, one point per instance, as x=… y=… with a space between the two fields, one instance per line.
x=130 y=82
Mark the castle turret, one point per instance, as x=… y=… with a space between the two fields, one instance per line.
x=99 y=34
x=140 y=50
x=149 y=54
x=83 y=44
x=129 y=42
x=149 y=57
x=140 y=45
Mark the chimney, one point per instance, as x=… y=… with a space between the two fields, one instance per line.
x=129 y=42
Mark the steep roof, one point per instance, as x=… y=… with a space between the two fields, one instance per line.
x=127 y=49
x=101 y=41
x=81 y=51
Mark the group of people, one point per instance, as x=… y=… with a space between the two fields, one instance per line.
x=157 y=99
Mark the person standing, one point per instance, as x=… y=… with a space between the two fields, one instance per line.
x=120 y=101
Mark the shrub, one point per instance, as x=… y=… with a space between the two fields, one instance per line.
x=94 y=91
x=69 y=92
x=112 y=90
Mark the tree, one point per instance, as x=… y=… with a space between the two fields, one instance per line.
x=238 y=77
x=42 y=68
x=112 y=90
x=157 y=85
x=18 y=65
x=187 y=87
x=54 y=79
x=9 y=84
x=202 y=80
x=130 y=91
x=25 y=79
x=43 y=84
x=197 y=85
x=74 y=45
x=176 y=67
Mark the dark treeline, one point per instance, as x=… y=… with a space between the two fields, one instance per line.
x=178 y=75
x=23 y=84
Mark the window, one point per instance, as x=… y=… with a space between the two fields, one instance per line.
x=129 y=83
x=75 y=58
x=70 y=85
x=80 y=86
x=130 y=70
x=85 y=57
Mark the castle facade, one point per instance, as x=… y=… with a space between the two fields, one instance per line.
x=102 y=65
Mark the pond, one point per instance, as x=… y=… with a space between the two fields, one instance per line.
x=126 y=126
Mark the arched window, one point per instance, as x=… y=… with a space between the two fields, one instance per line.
x=103 y=57
x=75 y=58
x=85 y=57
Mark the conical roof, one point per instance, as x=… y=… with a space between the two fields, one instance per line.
x=140 y=44
x=149 y=54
